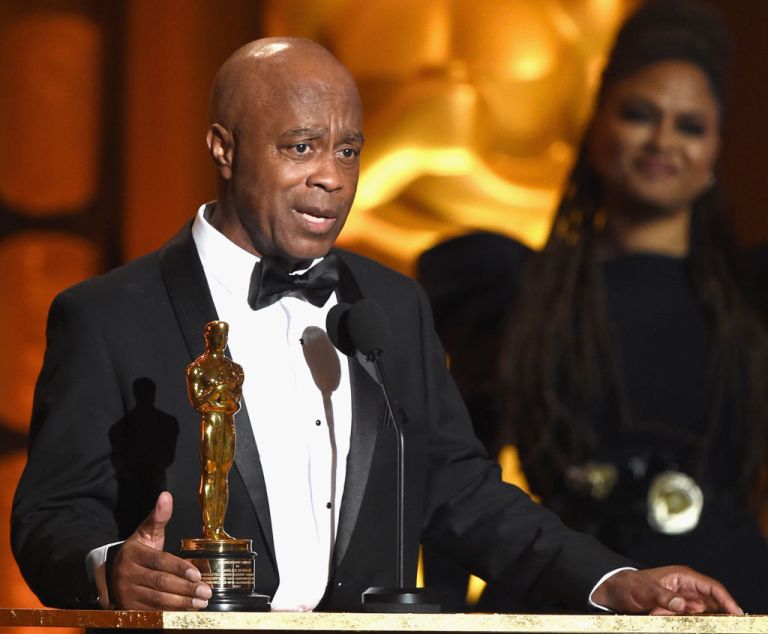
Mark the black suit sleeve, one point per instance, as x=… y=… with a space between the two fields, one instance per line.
x=490 y=527
x=61 y=510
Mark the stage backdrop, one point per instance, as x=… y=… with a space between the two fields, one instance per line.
x=473 y=109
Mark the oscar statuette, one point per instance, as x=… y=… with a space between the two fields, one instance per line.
x=227 y=564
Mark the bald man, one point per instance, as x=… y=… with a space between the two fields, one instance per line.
x=313 y=483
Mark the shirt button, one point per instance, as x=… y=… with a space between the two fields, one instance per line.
x=328 y=505
x=318 y=422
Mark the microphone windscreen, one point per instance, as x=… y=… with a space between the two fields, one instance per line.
x=368 y=327
x=336 y=325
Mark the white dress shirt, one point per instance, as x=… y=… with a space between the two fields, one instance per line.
x=295 y=437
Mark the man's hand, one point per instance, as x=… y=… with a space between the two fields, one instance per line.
x=664 y=591
x=146 y=578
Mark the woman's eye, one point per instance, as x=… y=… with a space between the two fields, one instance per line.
x=691 y=127
x=637 y=113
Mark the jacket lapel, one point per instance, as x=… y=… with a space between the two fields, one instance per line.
x=368 y=415
x=248 y=464
x=184 y=280
x=187 y=289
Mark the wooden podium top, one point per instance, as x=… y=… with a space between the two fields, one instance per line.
x=356 y=622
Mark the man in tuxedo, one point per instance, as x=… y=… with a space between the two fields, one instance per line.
x=313 y=484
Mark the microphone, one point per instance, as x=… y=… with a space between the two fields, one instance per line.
x=336 y=325
x=362 y=329
x=368 y=328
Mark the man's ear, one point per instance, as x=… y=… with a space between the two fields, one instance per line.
x=221 y=145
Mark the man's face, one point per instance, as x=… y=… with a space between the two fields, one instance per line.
x=295 y=166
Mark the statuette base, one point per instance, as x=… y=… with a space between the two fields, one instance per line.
x=229 y=568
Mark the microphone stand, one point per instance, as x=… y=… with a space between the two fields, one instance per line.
x=399 y=598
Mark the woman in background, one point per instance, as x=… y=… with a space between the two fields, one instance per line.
x=626 y=360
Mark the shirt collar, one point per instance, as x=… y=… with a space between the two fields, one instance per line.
x=222 y=259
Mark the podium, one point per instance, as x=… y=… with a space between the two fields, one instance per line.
x=362 y=622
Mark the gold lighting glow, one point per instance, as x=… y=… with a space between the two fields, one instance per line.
x=52 y=95
x=473 y=110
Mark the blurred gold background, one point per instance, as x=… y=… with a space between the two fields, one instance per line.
x=473 y=109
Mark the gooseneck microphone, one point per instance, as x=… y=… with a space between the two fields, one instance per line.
x=362 y=330
x=336 y=325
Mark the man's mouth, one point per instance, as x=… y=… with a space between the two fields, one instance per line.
x=317 y=218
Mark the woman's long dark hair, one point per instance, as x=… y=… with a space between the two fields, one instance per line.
x=559 y=357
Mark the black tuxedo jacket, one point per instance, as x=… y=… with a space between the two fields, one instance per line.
x=112 y=426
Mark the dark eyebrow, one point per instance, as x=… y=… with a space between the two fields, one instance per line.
x=350 y=136
x=635 y=99
x=304 y=132
x=692 y=114
x=353 y=136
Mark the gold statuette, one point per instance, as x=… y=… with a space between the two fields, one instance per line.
x=227 y=564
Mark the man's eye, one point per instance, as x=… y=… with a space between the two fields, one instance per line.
x=349 y=152
x=301 y=148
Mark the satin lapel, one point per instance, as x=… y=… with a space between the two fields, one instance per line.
x=248 y=464
x=184 y=280
x=368 y=412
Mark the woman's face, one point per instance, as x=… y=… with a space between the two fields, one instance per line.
x=655 y=139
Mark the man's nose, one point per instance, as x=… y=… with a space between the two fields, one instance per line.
x=325 y=173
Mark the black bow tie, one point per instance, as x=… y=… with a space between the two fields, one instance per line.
x=271 y=280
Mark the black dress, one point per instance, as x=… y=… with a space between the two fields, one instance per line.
x=664 y=342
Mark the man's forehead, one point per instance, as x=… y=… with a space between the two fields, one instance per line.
x=305 y=97
x=319 y=89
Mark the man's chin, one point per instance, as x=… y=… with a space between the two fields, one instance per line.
x=298 y=256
